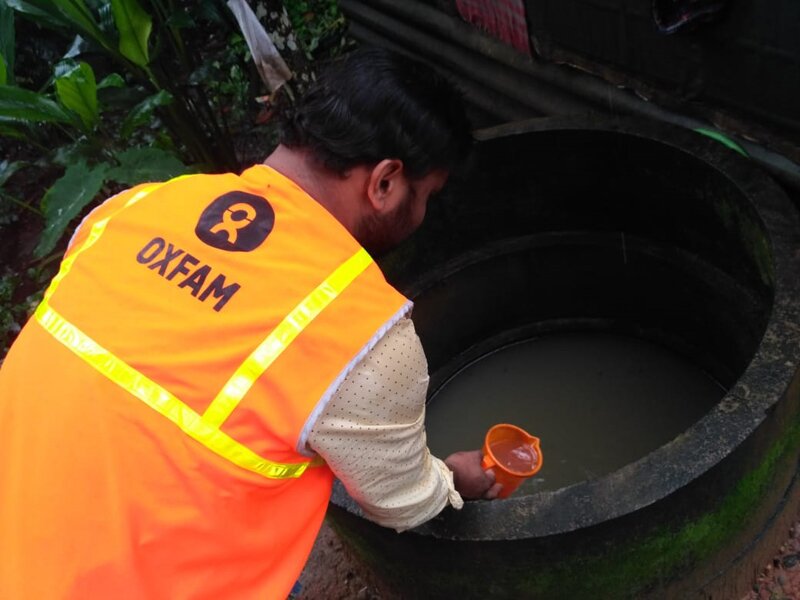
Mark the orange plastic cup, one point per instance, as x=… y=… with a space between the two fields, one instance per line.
x=513 y=453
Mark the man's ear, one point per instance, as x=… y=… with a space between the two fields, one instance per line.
x=387 y=185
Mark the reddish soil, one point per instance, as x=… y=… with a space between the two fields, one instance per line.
x=780 y=580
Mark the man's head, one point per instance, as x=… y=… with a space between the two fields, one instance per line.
x=391 y=128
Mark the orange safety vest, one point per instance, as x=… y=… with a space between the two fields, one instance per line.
x=154 y=412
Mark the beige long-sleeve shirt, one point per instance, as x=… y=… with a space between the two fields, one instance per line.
x=372 y=435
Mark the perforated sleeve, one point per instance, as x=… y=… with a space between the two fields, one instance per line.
x=372 y=435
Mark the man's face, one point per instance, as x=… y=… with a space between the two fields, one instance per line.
x=380 y=233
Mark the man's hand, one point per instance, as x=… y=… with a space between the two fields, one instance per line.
x=471 y=481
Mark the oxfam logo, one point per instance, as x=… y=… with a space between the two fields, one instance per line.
x=236 y=222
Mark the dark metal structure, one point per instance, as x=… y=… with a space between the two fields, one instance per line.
x=605 y=57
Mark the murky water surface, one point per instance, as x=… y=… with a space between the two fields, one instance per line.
x=596 y=401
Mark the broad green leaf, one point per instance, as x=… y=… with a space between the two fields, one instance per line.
x=28 y=106
x=7 y=41
x=65 y=200
x=63 y=15
x=146 y=164
x=12 y=128
x=41 y=11
x=134 y=26
x=70 y=154
x=113 y=80
x=120 y=100
x=77 y=90
x=3 y=72
x=79 y=14
x=8 y=168
x=143 y=112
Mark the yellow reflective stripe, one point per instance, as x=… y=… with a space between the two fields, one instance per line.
x=160 y=399
x=138 y=384
x=94 y=234
x=279 y=339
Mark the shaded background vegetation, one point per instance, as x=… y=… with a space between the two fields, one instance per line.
x=96 y=96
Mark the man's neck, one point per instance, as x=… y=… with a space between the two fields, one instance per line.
x=331 y=190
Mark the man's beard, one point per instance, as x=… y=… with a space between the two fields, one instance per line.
x=378 y=234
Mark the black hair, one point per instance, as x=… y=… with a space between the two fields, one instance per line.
x=373 y=104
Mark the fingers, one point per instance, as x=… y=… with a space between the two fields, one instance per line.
x=494 y=487
x=493 y=491
x=470 y=478
x=490 y=475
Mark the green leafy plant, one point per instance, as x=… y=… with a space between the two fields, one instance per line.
x=10 y=205
x=20 y=293
x=144 y=41
x=7 y=39
x=9 y=312
x=144 y=120
x=95 y=155
x=316 y=23
x=228 y=82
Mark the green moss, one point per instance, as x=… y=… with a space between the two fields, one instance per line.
x=667 y=553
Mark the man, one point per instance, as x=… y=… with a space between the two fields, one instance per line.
x=214 y=349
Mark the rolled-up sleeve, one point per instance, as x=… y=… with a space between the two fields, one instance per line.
x=372 y=435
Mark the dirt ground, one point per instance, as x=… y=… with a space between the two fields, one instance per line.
x=780 y=579
x=334 y=573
